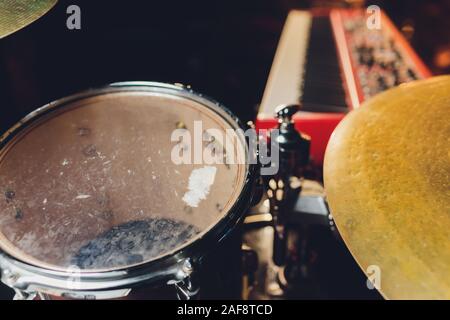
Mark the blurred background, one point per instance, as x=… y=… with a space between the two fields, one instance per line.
x=221 y=48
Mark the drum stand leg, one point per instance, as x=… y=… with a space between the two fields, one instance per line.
x=283 y=189
x=186 y=289
x=23 y=295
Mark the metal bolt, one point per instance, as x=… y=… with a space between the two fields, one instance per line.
x=187 y=267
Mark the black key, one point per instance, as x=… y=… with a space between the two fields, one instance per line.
x=322 y=86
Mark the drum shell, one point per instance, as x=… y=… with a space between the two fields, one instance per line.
x=222 y=241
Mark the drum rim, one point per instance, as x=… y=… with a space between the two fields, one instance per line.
x=191 y=251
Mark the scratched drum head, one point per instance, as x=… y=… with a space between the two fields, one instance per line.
x=90 y=182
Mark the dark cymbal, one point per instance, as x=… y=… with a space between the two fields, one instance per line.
x=16 y=14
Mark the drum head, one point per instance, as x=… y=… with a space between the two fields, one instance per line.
x=92 y=182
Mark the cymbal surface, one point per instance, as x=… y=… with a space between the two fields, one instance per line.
x=387 y=179
x=16 y=14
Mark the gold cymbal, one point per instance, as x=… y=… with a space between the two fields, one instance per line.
x=16 y=14
x=387 y=179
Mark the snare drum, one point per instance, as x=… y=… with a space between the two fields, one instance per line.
x=93 y=205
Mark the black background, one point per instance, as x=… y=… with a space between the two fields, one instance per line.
x=222 y=48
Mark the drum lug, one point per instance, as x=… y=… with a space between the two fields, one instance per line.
x=11 y=279
x=186 y=288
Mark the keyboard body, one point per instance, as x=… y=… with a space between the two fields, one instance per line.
x=331 y=61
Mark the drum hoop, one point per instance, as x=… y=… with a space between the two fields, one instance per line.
x=165 y=268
